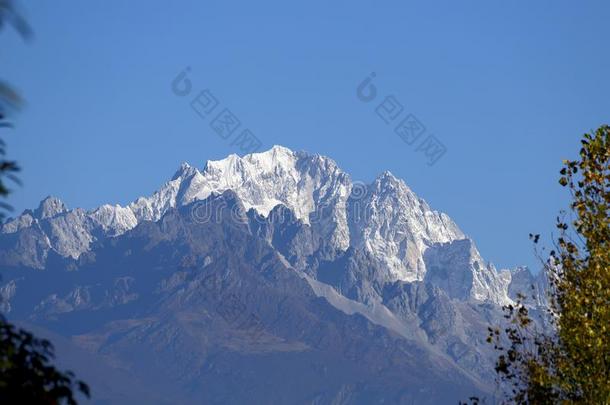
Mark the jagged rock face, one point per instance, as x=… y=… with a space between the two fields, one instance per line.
x=49 y=207
x=391 y=222
x=295 y=241
x=457 y=268
x=27 y=247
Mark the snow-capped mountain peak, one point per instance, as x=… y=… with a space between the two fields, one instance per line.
x=385 y=218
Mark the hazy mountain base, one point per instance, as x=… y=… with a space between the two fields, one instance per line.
x=211 y=313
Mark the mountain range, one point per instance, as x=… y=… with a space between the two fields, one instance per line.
x=267 y=278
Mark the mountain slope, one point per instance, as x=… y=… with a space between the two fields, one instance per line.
x=272 y=267
x=206 y=308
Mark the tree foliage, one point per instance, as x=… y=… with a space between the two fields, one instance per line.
x=26 y=373
x=8 y=168
x=9 y=100
x=572 y=363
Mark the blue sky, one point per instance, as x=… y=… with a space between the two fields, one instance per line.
x=508 y=87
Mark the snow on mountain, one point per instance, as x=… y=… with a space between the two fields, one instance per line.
x=114 y=220
x=390 y=221
x=384 y=218
x=311 y=186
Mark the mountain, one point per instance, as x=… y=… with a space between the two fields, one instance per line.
x=271 y=277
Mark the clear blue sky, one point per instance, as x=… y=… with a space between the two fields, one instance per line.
x=508 y=87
